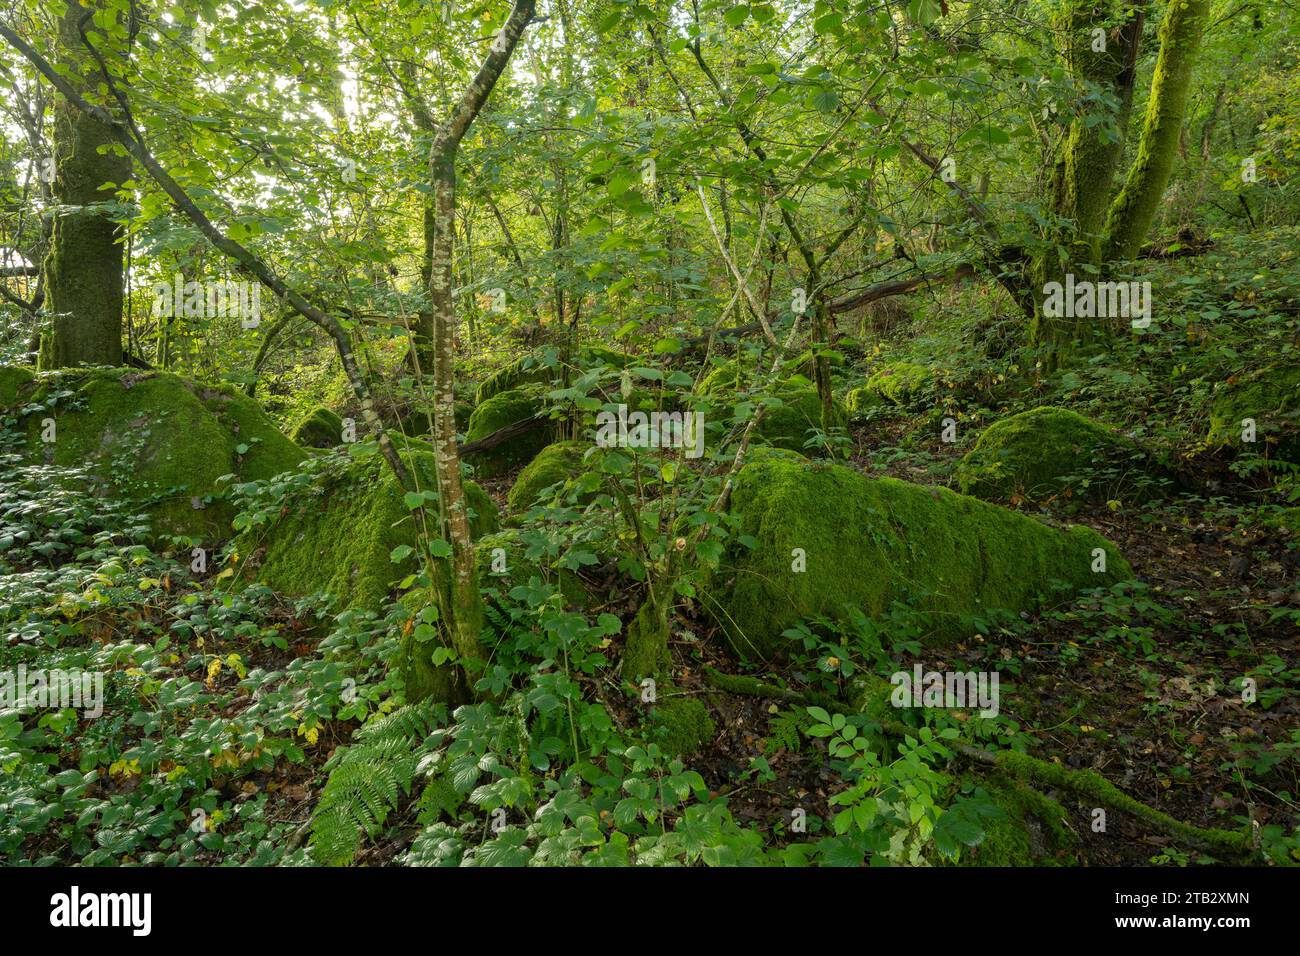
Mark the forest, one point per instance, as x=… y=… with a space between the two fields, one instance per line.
x=788 y=433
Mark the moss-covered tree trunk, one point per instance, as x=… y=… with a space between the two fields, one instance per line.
x=1134 y=208
x=83 y=268
x=1101 y=41
x=1101 y=48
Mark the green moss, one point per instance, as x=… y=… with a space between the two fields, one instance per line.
x=1269 y=396
x=1134 y=208
x=645 y=651
x=900 y=382
x=554 y=464
x=858 y=401
x=502 y=409
x=338 y=536
x=802 y=364
x=1288 y=519
x=787 y=425
x=1041 y=452
x=1032 y=831
x=14 y=380
x=161 y=441
x=872 y=697
x=723 y=378
x=873 y=542
x=1092 y=786
x=682 y=726
x=322 y=428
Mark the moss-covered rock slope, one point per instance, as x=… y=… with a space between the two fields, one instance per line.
x=337 y=534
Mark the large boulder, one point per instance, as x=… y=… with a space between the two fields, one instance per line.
x=320 y=428
x=555 y=464
x=1270 y=398
x=822 y=538
x=499 y=411
x=1039 y=453
x=150 y=438
x=337 y=534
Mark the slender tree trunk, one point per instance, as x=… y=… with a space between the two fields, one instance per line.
x=466 y=602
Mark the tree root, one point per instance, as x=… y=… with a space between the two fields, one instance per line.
x=1234 y=845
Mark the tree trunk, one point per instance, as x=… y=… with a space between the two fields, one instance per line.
x=466 y=603
x=1134 y=208
x=83 y=269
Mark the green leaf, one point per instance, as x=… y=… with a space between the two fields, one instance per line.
x=737 y=15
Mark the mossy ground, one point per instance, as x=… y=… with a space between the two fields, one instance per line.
x=871 y=542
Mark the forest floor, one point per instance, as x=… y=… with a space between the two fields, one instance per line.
x=1139 y=689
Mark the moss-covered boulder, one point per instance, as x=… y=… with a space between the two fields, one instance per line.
x=338 y=535
x=1270 y=398
x=1030 y=832
x=151 y=438
x=787 y=425
x=899 y=382
x=824 y=537
x=682 y=726
x=1041 y=452
x=321 y=428
x=554 y=464
x=502 y=409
